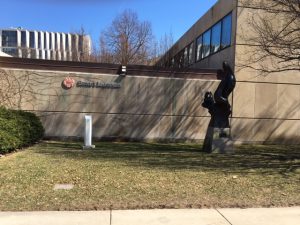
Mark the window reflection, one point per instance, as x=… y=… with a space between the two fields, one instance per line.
x=23 y=39
x=226 y=31
x=186 y=56
x=31 y=39
x=215 y=37
x=50 y=41
x=213 y=40
x=9 y=38
x=191 y=48
x=62 y=39
x=39 y=40
x=67 y=42
x=11 y=51
x=199 y=47
x=206 y=44
x=45 y=40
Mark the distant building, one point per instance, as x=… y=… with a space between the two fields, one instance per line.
x=22 y=43
x=4 y=54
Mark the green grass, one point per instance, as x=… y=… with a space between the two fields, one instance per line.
x=148 y=175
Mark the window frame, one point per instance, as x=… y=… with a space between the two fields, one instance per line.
x=211 y=37
x=9 y=39
x=202 y=56
x=23 y=39
x=191 y=48
x=221 y=37
x=32 y=40
x=222 y=27
x=196 y=48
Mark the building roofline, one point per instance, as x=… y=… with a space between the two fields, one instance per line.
x=86 y=67
x=23 y=29
x=190 y=30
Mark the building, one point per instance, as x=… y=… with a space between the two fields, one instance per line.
x=164 y=103
x=4 y=54
x=143 y=104
x=22 y=43
x=265 y=105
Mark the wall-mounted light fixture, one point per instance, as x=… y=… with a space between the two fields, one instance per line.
x=122 y=71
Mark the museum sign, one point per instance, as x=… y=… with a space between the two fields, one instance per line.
x=69 y=82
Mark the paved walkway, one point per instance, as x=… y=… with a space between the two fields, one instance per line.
x=261 y=216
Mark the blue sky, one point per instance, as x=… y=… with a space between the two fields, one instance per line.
x=175 y=16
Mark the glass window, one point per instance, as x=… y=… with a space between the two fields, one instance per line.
x=62 y=41
x=39 y=40
x=11 y=51
x=45 y=40
x=67 y=41
x=199 y=48
x=181 y=59
x=186 y=56
x=191 y=49
x=50 y=41
x=31 y=39
x=206 y=44
x=226 y=31
x=215 y=37
x=9 y=38
x=23 y=39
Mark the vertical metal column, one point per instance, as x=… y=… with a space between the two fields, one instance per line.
x=88 y=132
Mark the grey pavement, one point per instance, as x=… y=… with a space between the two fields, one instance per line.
x=253 y=216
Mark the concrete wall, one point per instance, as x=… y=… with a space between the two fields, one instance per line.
x=266 y=106
x=143 y=108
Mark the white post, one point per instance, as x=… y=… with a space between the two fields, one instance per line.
x=88 y=133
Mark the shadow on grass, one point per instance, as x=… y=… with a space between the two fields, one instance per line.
x=246 y=159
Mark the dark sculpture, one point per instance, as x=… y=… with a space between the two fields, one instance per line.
x=220 y=110
x=217 y=104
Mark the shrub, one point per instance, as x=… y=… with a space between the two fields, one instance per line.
x=18 y=129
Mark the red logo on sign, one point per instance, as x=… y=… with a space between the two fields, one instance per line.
x=69 y=82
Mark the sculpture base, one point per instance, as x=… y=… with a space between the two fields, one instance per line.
x=88 y=147
x=218 y=140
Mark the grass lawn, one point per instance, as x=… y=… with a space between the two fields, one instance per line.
x=143 y=175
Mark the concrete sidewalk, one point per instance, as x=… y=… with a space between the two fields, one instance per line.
x=257 y=216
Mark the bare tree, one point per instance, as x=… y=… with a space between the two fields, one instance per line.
x=105 y=55
x=275 y=35
x=162 y=54
x=166 y=42
x=127 y=40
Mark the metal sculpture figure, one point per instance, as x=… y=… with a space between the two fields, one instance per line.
x=218 y=104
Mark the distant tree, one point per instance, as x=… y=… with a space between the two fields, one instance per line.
x=166 y=42
x=105 y=55
x=127 y=40
x=275 y=35
x=162 y=48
